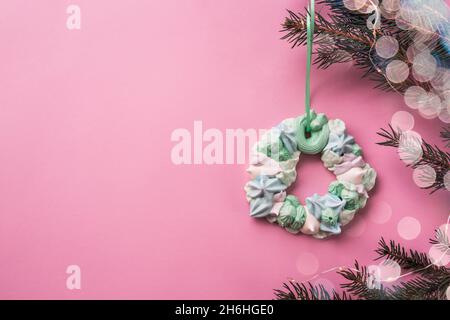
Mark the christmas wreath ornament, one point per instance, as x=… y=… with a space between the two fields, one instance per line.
x=273 y=170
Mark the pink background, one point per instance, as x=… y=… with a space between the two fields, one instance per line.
x=85 y=171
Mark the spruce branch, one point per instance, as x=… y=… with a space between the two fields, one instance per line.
x=411 y=260
x=422 y=288
x=344 y=36
x=428 y=282
x=392 y=137
x=432 y=156
x=357 y=285
x=432 y=282
x=307 y=291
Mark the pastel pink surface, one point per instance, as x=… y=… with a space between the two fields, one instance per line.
x=86 y=176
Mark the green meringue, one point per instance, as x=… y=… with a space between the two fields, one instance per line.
x=292 y=215
x=319 y=134
x=299 y=220
x=336 y=188
x=351 y=199
x=356 y=150
x=330 y=217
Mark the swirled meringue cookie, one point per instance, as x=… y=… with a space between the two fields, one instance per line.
x=273 y=170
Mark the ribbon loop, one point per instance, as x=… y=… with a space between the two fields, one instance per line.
x=310 y=21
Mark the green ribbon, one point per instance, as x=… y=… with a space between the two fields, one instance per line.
x=310 y=18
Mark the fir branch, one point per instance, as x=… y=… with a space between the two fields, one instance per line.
x=333 y=39
x=301 y=291
x=422 y=288
x=392 y=137
x=295 y=25
x=432 y=156
x=429 y=282
x=349 y=38
x=358 y=284
x=411 y=260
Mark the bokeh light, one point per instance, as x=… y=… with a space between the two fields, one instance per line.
x=386 y=47
x=391 y=5
x=390 y=270
x=409 y=228
x=391 y=15
x=424 y=66
x=414 y=96
x=354 y=4
x=441 y=82
x=440 y=252
x=402 y=120
x=410 y=147
x=307 y=263
x=430 y=106
x=397 y=71
x=385 y=272
x=439 y=255
x=424 y=176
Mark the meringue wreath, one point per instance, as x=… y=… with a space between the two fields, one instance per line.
x=273 y=170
